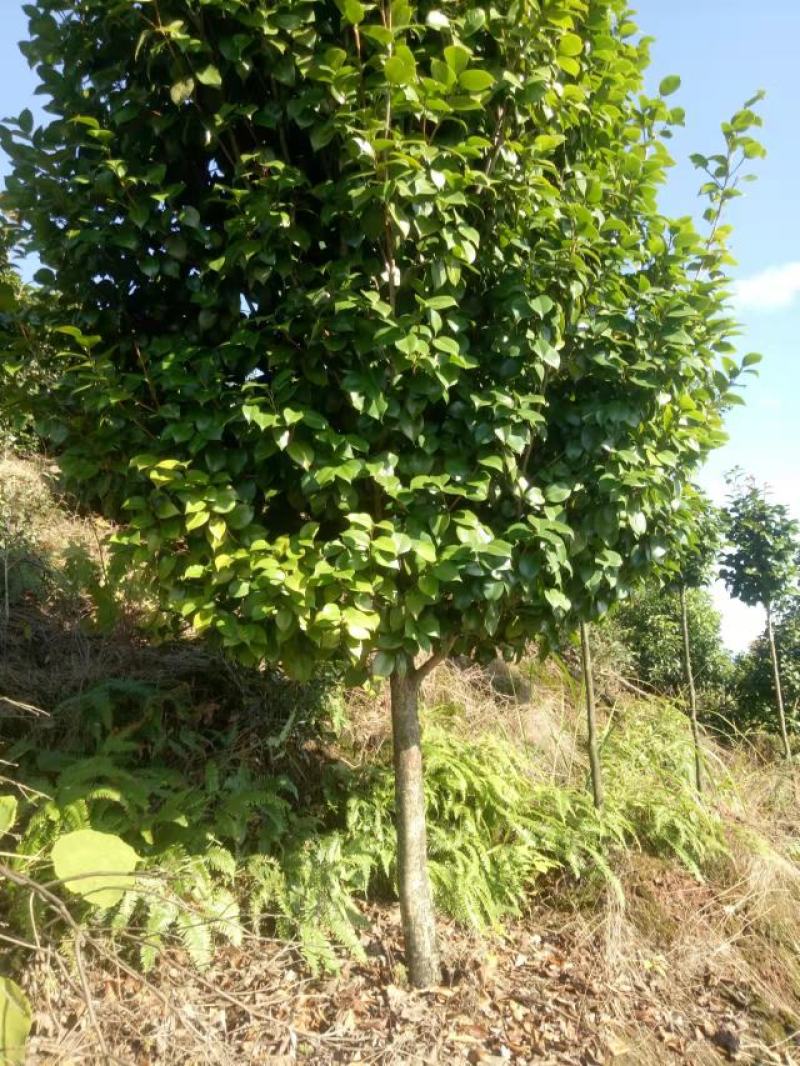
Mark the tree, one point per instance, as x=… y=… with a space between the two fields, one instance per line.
x=24 y=349
x=755 y=679
x=760 y=566
x=383 y=348
x=694 y=561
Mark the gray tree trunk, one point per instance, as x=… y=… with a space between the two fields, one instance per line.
x=687 y=666
x=416 y=902
x=588 y=684
x=787 y=751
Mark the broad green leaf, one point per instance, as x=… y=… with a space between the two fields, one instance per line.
x=557 y=600
x=476 y=81
x=669 y=85
x=570 y=45
x=401 y=69
x=8 y=813
x=16 y=1019
x=383 y=664
x=302 y=453
x=94 y=865
x=209 y=75
x=354 y=11
x=557 y=493
x=457 y=57
x=182 y=90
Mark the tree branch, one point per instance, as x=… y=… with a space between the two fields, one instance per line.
x=435 y=660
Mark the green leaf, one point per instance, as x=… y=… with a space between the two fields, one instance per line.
x=383 y=664
x=557 y=493
x=16 y=1019
x=8 y=813
x=475 y=20
x=476 y=81
x=457 y=57
x=669 y=85
x=182 y=90
x=302 y=453
x=94 y=865
x=547 y=142
x=557 y=600
x=570 y=45
x=401 y=68
x=209 y=75
x=354 y=12
x=196 y=520
x=359 y=624
x=542 y=305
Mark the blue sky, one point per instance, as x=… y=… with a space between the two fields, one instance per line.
x=723 y=50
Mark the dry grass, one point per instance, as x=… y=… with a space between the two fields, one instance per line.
x=34 y=507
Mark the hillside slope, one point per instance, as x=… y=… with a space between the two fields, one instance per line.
x=662 y=931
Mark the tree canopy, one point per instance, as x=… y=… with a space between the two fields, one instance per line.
x=373 y=331
x=760 y=562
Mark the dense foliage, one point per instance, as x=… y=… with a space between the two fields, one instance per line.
x=649 y=626
x=375 y=336
x=760 y=561
x=220 y=847
x=383 y=341
x=755 y=685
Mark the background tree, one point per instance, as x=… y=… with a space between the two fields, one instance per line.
x=25 y=350
x=694 y=562
x=755 y=679
x=760 y=566
x=648 y=624
x=383 y=347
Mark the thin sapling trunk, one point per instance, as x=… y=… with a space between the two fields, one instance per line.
x=687 y=666
x=773 y=651
x=591 y=722
x=416 y=901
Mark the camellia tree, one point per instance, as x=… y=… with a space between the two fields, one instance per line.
x=691 y=566
x=696 y=558
x=670 y=624
x=755 y=678
x=760 y=565
x=384 y=349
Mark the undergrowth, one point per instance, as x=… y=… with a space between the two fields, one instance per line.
x=228 y=848
x=497 y=830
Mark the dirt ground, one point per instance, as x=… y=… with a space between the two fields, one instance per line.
x=552 y=989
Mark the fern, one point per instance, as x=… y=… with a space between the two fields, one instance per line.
x=309 y=896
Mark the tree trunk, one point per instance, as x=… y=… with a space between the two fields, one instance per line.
x=588 y=682
x=687 y=665
x=416 y=903
x=787 y=751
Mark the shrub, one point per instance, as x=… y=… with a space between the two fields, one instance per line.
x=648 y=624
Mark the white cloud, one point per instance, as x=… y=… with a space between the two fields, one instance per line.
x=773 y=289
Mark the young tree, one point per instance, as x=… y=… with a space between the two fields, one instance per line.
x=384 y=349
x=694 y=561
x=760 y=566
x=755 y=684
